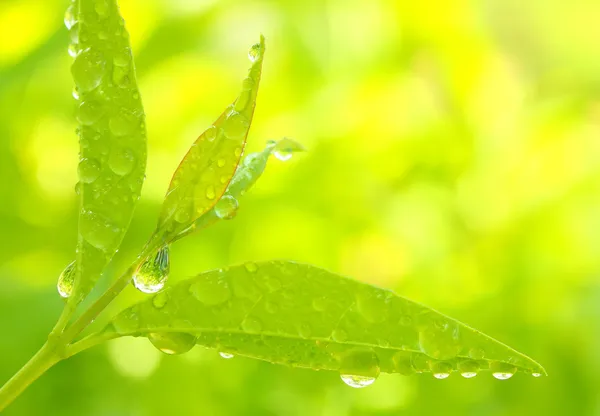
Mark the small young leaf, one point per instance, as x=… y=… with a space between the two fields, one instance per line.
x=205 y=171
x=296 y=314
x=111 y=132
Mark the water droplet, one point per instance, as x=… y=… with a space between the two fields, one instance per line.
x=285 y=148
x=226 y=208
x=151 y=276
x=235 y=126
x=211 y=289
x=254 y=52
x=339 y=335
x=66 y=280
x=73 y=50
x=210 y=133
x=226 y=355
x=420 y=362
x=251 y=267
x=441 y=370
x=358 y=382
x=221 y=163
x=88 y=170
x=90 y=112
x=182 y=215
x=372 y=306
x=242 y=101
x=121 y=161
x=88 y=69
x=160 y=300
x=70 y=18
x=75 y=93
x=536 y=374
x=78 y=188
x=172 y=342
x=210 y=192
x=502 y=371
x=251 y=325
x=402 y=364
x=319 y=304
x=441 y=343
x=468 y=368
x=99 y=230
x=74 y=32
x=122 y=124
x=247 y=84
x=359 y=368
x=101 y=8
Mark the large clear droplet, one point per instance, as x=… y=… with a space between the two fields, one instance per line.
x=254 y=52
x=468 y=368
x=70 y=18
x=88 y=170
x=226 y=355
x=121 y=161
x=151 y=276
x=66 y=280
x=88 y=69
x=285 y=148
x=502 y=371
x=227 y=207
x=441 y=370
x=358 y=382
x=536 y=375
x=235 y=126
x=359 y=368
x=172 y=343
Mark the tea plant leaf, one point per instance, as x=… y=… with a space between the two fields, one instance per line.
x=207 y=168
x=111 y=131
x=300 y=315
x=246 y=175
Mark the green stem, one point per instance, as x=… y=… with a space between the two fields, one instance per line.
x=45 y=358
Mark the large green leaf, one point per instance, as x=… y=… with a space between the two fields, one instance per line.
x=207 y=168
x=300 y=315
x=111 y=132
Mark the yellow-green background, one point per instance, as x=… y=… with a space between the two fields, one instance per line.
x=454 y=156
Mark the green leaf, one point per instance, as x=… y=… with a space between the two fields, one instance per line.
x=300 y=315
x=207 y=168
x=112 y=135
x=246 y=175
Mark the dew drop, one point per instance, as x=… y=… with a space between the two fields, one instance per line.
x=402 y=364
x=536 y=375
x=304 y=330
x=160 y=300
x=66 y=280
x=339 y=335
x=73 y=50
x=359 y=368
x=75 y=93
x=88 y=69
x=247 y=84
x=254 y=52
x=251 y=267
x=211 y=290
x=101 y=8
x=211 y=133
x=358 y=382
x=319 y=304
x=502 y=371
x=151 y=276
x=121 y=161
x=468 y=368
x=99 y=230
x=122 y=124
x=242 y=101
x=441 y=376
x=172 y=343
x=441 y=370
x=78 y=188
x=285 y=148
x=210 y=192
x=226 y=208
x=70 y=19
x=235 y=126
x=441 y=343
x=226 y=355
x=88 y=170
x=251 y=325
x=182 y=215
x=89 y=112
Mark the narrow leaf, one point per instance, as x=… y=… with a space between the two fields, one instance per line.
x=299 y=315
x=111 y=131
x=205 y=171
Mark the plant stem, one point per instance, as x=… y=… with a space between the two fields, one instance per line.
x=45 y=358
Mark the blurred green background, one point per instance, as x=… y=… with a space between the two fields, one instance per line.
x=454 y=156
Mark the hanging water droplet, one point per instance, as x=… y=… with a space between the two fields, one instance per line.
x=151 y=276
x=226 y=355
x=359 y=368
x=66 y=281
x=172 y=343
x=441 y=370
x=101 y=7
x=254 y=52
x=121 y=161
x=70 y=18
x=98 y=230
x=502 y=371
x=358 y=382
x=88 y=69
x=73 y=50
x=227 y=207
x=440 y=342
x=88 y=170
x=536 y=374
x=468 y=368
x=251 y=267
x=75 y=93
x=285 y=148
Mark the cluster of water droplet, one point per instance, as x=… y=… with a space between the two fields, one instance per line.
x=153 y=273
